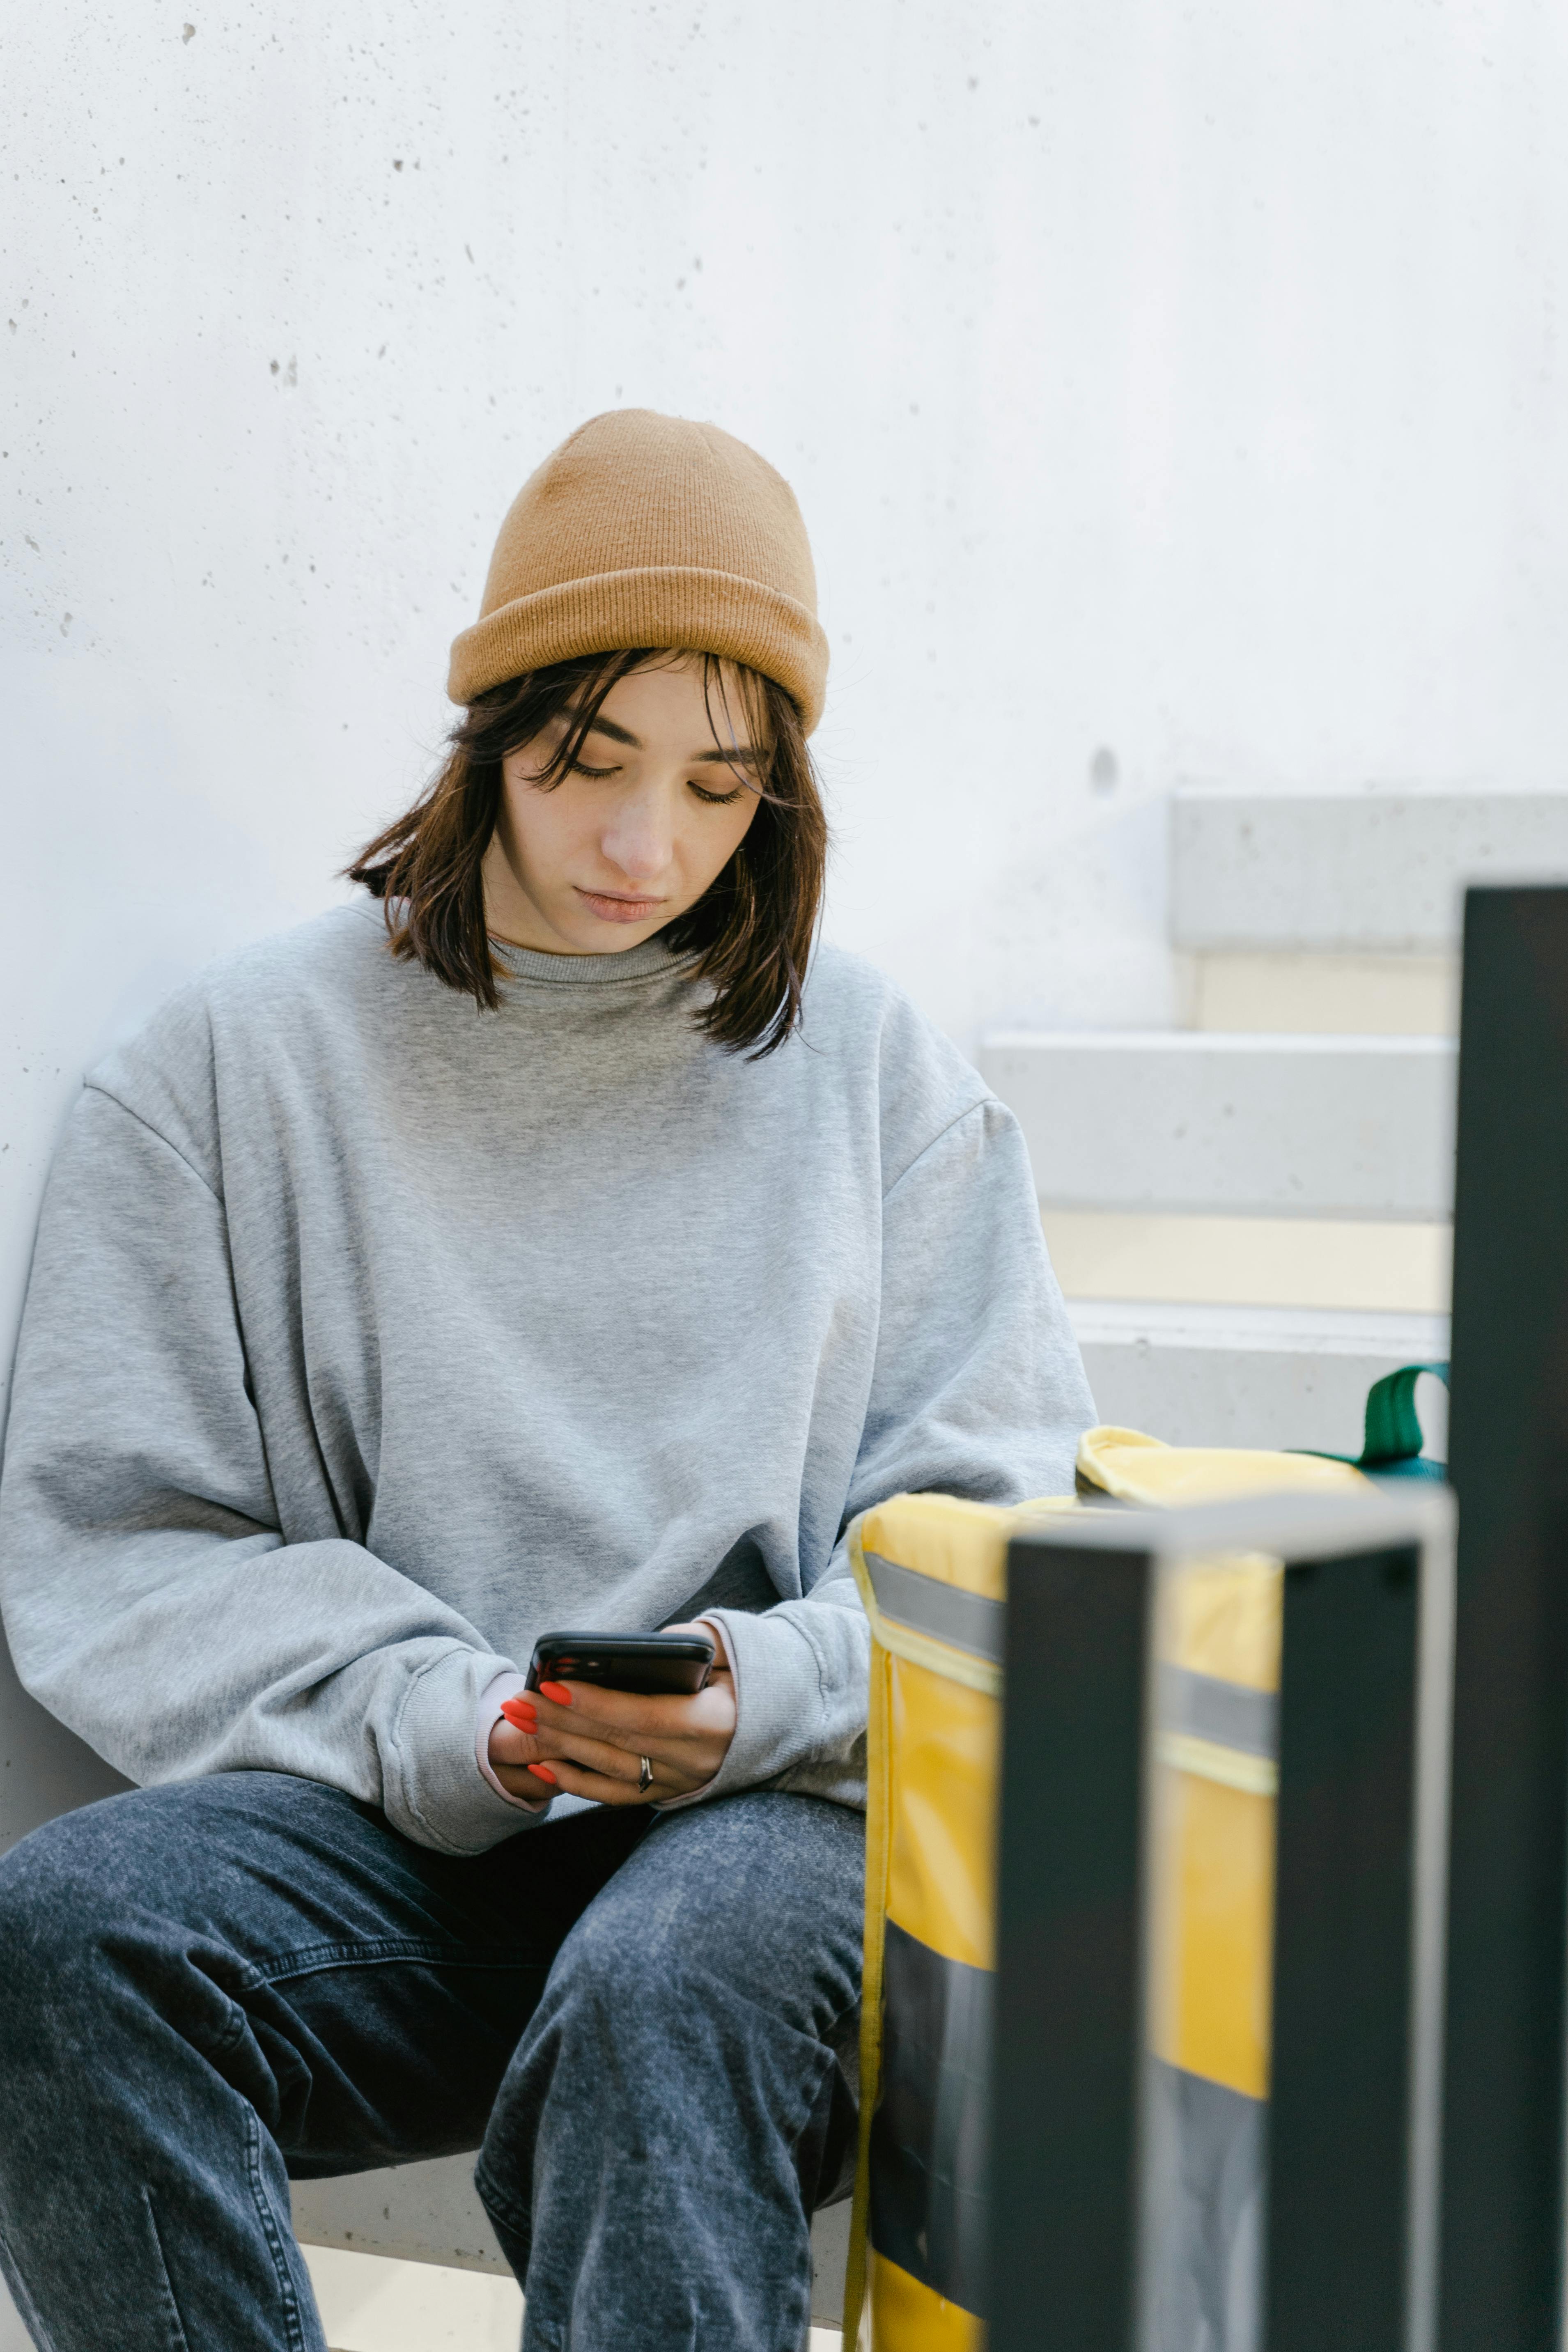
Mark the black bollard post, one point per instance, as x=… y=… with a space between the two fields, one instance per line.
x=1503 y=2205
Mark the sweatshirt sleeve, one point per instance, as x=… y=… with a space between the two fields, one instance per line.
x=150 y=1601
x=978 y=1390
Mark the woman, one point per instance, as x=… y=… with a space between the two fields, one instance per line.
x=534 y=1242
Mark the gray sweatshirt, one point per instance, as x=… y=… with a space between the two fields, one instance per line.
x=370 y=1337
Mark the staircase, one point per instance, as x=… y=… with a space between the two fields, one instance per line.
x=1250 y=1214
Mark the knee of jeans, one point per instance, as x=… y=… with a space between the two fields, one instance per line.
x=626 y=1960
x=58 y=1898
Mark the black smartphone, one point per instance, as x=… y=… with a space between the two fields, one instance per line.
x=647 y=1663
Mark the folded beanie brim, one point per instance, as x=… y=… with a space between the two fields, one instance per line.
x=667 y=606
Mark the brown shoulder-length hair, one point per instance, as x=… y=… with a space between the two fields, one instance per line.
x=753 y=928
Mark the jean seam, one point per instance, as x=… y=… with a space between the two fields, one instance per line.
x=237 y=2027
x=509 y=2210
x=293 y=2325
x=178 y=2340
x=373 y=1953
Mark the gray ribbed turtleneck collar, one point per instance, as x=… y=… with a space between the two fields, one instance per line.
x=647 y=962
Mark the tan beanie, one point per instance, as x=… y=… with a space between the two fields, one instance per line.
x=649 y=530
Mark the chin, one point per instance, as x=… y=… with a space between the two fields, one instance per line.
x=603 y=935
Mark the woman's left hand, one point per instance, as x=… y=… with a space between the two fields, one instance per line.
x=589 y=1742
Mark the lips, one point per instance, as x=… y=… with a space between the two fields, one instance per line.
x=618 y=911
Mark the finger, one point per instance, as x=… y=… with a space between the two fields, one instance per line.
x=566 y=1711
x=521 y=1743
x=612 y=1763
x=617 y=1787
x=559 y=1775
x=633 y=1719
x=510 y=1746
x=538 y=1718
x=517 y=1749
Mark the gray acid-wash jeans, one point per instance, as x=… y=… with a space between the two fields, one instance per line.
x=645 y=2026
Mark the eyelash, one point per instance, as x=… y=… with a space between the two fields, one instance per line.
x=713 y=799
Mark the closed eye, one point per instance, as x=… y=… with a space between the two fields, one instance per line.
x=717 y=799
x=579 y=767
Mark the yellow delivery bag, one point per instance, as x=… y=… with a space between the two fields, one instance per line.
x=932 y=1571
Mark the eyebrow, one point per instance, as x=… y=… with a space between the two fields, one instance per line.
x=743 y=755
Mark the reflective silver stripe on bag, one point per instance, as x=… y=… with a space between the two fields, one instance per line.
x=1200 y=1706
x=966 y=1621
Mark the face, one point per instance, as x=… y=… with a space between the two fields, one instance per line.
x=634 y=834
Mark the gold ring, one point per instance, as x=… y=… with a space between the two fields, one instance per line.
x=645 y=1776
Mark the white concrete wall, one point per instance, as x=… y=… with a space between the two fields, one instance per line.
x=1170 y=391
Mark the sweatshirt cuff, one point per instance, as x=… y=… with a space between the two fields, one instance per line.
x=434 y=1792
x=778 y=1700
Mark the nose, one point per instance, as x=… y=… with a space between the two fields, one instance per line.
x=638 y=836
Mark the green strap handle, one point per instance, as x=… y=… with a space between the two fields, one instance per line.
x=1391 y=1441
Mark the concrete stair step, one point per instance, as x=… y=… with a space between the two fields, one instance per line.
x=1370 y=870
x=1249 y=1124
x=430 y=2212
x=1253 y=1376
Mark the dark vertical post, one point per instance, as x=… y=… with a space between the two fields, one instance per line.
x=1068 y=2056
x=1502 y=2144
x=1339 y=2111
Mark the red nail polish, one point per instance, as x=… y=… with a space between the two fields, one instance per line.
x=543 y=1772
x=518 y=1712
x=558 y=1692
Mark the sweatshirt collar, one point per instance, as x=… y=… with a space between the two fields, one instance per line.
x=647 y=962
